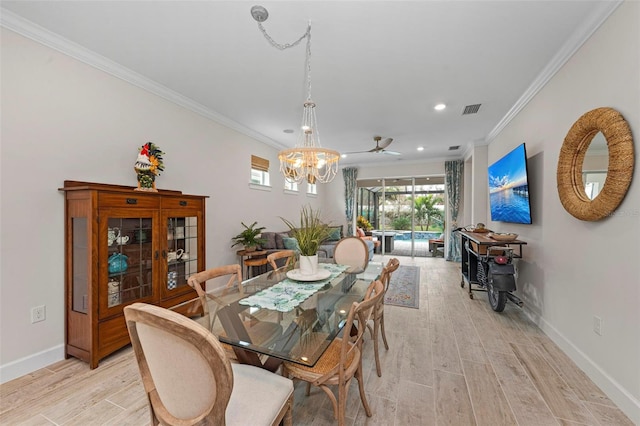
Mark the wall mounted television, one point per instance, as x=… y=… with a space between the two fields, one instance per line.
x=509 y=188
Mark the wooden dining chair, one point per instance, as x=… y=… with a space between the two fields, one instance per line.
x=352 y=251
x=378 y=313
x=290 y=255
x=189 y=380
x=258 y=331
x=342 y=360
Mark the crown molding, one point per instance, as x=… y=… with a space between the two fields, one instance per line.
x=35 y=32
x=577 y=39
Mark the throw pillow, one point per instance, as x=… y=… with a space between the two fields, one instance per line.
x=271 y=240
x=279 y=241
x=291 y=244
x=360 y=232
x=335 y=233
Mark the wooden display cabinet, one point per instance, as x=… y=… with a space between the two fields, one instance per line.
x=124 y=246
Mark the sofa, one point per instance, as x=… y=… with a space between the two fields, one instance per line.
x=276 y=241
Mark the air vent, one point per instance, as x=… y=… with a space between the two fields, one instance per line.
x=471 y=109
x=454 y=147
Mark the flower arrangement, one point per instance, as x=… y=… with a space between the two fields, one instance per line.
x=363 y=223
x=148 y=165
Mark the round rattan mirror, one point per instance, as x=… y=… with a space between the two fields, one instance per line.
x=620 y=168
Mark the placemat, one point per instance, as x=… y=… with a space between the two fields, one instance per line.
x=287 y=294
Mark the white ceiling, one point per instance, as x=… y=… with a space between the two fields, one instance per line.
x=378 y=68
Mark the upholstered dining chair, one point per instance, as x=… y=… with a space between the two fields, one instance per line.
x=342 y=360
x=290 y=255
x=378 y=313
x=258 y=331
x=352 y=251
x=189 y=380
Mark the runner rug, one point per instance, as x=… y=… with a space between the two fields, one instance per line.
x=404 y=288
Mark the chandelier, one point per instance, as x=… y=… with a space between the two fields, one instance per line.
x=308 y=160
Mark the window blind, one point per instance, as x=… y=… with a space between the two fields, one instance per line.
x=258 y=163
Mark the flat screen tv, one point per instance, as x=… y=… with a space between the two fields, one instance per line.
x=509 y=188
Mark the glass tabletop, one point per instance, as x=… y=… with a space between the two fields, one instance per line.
x=276 y=316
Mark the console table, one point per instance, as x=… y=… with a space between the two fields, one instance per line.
x=476 y=257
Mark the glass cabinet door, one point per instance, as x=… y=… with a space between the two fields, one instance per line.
x=182 y=252
x=130 y=256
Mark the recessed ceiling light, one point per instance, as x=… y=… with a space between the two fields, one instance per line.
x=288 y=130
x=439 y=107
x=421 y=148
x=344 y=156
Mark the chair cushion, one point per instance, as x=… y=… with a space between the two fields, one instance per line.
x=360 y=232
x=258 y=396
x=329 y=359
x=370 y=245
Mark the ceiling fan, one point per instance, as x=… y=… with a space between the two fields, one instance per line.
x=380 y=147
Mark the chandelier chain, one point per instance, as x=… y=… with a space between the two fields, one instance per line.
x=286 y=45
x=308 y=160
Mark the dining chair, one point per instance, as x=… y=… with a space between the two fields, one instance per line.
x=378 y=312
x=342 y=360
x=258 y=331
x=290 y=255
x=352 y=251
x=189 y=380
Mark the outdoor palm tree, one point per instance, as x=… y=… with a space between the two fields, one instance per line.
x=426 y=210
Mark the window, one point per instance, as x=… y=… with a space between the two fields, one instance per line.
x=312 y=189
x=290 y=186
x=259 y=171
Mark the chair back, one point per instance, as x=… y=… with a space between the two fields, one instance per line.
x=389 y=269
x=352 y=251
x=185 y=372
x=359 y=313
x=290 y=255
x=197 y=282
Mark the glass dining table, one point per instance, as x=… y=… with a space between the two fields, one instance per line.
x=280 y=315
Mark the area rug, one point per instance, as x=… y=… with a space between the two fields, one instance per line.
x=404 y=288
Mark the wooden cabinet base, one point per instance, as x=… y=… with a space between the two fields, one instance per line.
x=120 y=248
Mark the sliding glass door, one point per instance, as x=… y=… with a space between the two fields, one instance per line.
x=402 y=213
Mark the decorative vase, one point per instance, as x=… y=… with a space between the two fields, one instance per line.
x=309 y=264
x=146 y=182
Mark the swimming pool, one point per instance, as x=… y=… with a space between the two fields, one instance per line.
x=419 y=235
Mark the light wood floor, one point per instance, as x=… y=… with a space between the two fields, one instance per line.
x=453 y=361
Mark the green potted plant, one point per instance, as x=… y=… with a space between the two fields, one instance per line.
x=249 y=237
x=363 y=224
x=310 y=233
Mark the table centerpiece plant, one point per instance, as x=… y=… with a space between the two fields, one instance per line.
x=249 y=237
x=310 y=233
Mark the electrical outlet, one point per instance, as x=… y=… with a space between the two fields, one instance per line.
x=597 y=325
x=38 y=314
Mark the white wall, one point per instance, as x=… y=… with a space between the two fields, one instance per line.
x=62 y=119
x=575 y=270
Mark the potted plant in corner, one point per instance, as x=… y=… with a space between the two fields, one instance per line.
x=310 y=233
x=249 y=237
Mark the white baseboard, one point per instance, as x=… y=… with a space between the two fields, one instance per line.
x=618 y=394
x=31 y=363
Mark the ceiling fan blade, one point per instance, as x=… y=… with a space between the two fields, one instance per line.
x=385 y=143
x=391 y=152
x=376 y=149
